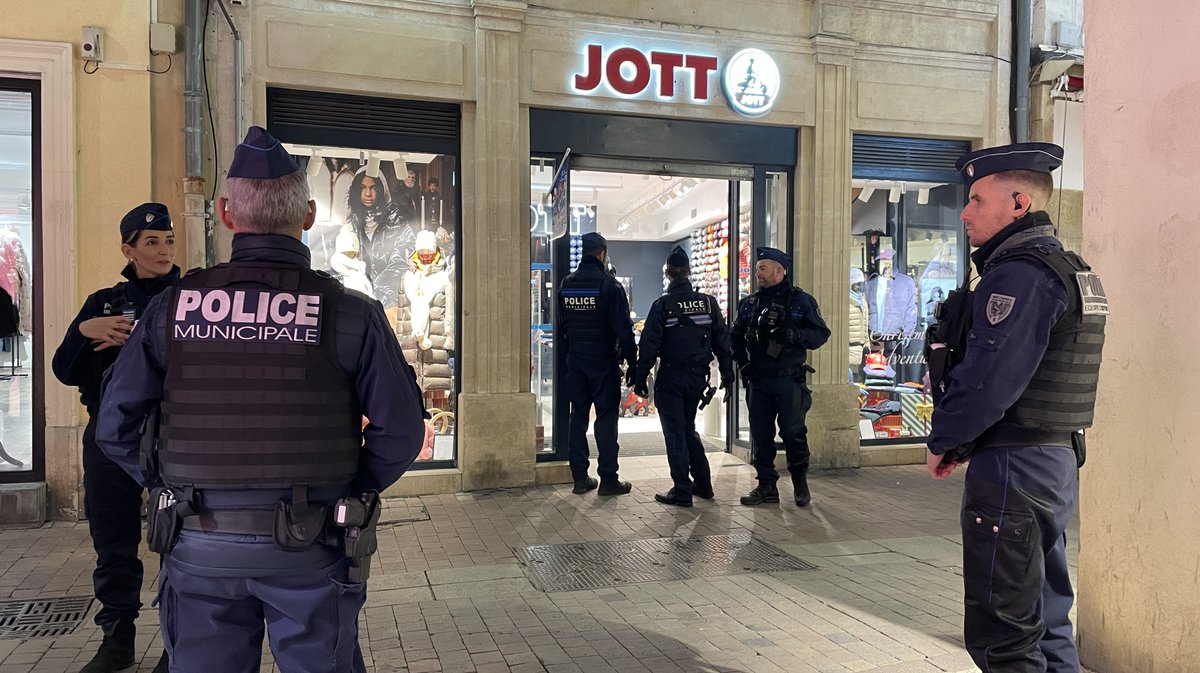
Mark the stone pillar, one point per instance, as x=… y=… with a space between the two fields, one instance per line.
x=822 y=247
x=495 y=407
x=1139 y=559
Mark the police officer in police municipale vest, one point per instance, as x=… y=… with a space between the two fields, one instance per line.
x=775 y=328
x=265 y=479
x=593 y=319
x=113 y=498
x=1013 y=369
x=683 y=331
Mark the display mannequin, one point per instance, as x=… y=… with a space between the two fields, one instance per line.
x=348 y=266
x=426 y=319
x=891 y=301
x=859 y=334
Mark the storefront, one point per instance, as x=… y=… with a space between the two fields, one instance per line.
x=432 y=136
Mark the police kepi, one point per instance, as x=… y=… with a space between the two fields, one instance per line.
x=1014 y=366
x=268 y=496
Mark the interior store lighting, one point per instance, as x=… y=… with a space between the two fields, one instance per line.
x=373 y=166
x=401 y=167
x=866 y=194
x=923 y=196
x=895 y=192
x=314 y=165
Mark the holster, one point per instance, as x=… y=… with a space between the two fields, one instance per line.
x=148 y=448
x=1079 y=445
x=165 y=518
x=707 y=396
x=360 y=541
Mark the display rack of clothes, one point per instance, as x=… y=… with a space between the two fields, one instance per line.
x=16 y=277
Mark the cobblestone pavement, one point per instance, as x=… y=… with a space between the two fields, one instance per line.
x=448 y=594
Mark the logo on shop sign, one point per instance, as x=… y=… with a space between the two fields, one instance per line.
x=751 y=82
x=750 y=79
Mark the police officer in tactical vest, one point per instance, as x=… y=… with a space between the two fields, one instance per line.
x=683 y=331
x=1014 y=365
x=593 y=319
x=266 y=480
x=775 y=328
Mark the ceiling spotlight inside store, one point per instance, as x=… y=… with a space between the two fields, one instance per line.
x=923 y=196
x=401 y=167
x=372 y=166
x=314 y=165
x=895 y=192
x=866 y=193
x=664 y=200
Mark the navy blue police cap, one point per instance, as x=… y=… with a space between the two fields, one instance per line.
x=1036 y=157
x=677 y=257
x=148 y=216
x=261 y=157
x=594 y=241
x=775 y=255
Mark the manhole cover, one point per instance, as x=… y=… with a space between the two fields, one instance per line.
x=569 y=567
x=43 y=617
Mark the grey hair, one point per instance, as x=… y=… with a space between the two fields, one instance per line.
x=271 y=206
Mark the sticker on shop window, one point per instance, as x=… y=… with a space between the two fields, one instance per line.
x=999 y=307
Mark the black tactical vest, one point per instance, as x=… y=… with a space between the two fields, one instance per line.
x=687 y=339
x=585 y=309
x=255 y=395
x=767 y=356
x=1061 y=396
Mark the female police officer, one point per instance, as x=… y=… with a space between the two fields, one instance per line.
x=113 y=499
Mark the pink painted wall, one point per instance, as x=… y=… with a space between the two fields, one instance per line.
x=1139 y=568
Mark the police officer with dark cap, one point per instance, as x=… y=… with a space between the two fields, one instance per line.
x=112 y=498
x=1014 y=365
x=775 y=328
x=593 y=319
x=683 y=331
x=264 y=370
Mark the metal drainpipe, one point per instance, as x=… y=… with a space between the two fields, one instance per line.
x=195 y=194
x=1022 y=44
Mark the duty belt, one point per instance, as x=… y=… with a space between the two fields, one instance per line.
x=802 y=370
x=233 y=521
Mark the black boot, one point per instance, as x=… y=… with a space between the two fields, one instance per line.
x=588 y=484
x=762 y=493
x=672 y=497
x=115 y=653
x=802 y=495
x=703 y=491
x=163 y=665
x=615 y=487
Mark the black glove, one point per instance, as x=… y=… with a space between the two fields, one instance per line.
x=747 y=373
x=641 y=390
x=787 y=336
x=726 y=383
x=630 y=375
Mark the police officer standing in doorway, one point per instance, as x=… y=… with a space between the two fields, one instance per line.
x=775 y=328
x=683 y=331
x=264 y=370
x=1014 y=366
x=593 y=319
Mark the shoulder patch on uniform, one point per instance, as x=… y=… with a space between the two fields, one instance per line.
x=999 y=307
x=1091 y=293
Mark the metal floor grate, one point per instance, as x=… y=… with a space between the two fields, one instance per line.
x=42 y=617
x=594 y=565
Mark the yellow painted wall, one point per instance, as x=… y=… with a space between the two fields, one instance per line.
x=112 y=129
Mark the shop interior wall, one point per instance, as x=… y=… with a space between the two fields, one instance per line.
x=644 y=263
x=1139 y=559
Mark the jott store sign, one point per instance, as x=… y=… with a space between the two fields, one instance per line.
x=750 y=79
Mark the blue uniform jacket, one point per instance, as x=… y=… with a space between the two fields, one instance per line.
x=77 y=362
x=656 y=324
x=387 y=391
x=618 y=311
x=1006 y=342
x=808 y=328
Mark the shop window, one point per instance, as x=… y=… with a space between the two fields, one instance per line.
x=21 y=441
x=387 y=226
x=907 y=253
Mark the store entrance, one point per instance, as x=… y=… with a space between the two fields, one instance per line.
x=643 y=211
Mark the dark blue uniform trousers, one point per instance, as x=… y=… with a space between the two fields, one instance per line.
x=1017 y=503
x=588 y=383
x=114 y=511
x=677 y=394
x=216 y=623
x=788 y=400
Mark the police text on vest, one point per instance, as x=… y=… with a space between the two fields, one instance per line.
x=248 y=315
